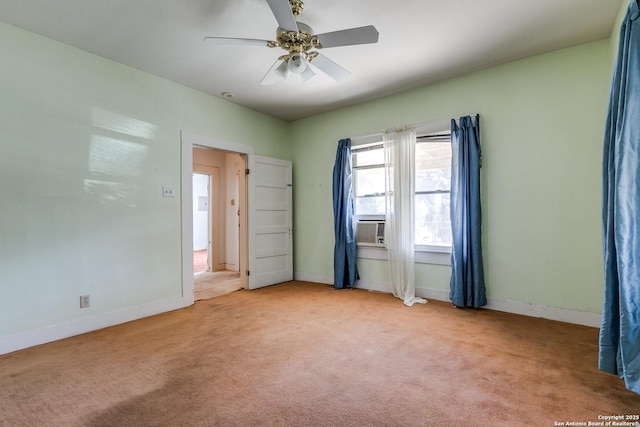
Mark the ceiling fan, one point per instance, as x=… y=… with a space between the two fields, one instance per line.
x=301 y=44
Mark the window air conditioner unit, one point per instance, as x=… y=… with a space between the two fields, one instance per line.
x=370 y=233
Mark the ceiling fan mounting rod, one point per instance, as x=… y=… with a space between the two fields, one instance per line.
x=296 y=7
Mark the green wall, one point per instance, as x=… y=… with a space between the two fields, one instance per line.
x=86 y=145
x=542 y=121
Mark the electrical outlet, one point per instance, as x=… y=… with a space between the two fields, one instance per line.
x=84 y=301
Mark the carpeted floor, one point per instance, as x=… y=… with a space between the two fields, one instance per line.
x=303 y=354
x=212 y=284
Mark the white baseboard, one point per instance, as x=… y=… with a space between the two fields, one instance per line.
x=315 y=278
x=22 y=340
x=35 y=337
x=577 y=317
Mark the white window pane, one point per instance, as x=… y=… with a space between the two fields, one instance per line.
x=370 y=205
x=369 y=182
x=433 y=166
x=368 y=157
x=433 y=223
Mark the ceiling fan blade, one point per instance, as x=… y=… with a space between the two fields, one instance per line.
x=230 y=41
x=272 y=76
x=360 y=35
x=284 y=15
x=330 y=68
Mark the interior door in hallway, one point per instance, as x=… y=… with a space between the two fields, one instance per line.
x=270 y=221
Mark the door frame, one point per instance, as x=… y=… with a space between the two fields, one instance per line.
x=188 y=142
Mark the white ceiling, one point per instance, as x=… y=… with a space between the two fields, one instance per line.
x=421 y=41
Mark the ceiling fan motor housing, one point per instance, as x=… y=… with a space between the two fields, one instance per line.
x=300 y=41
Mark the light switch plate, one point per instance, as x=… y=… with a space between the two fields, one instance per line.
x=167 y=191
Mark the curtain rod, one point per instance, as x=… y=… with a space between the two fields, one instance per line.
x=445 y=135
x=435 y=126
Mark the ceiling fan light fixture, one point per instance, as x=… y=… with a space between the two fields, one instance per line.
x=297 y=64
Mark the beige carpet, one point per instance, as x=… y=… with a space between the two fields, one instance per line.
x=213 y=284
x=200 y=261
x=302 y=354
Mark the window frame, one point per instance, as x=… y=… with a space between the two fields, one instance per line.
x=431 y=138
x=425 y=254
x=369 y=147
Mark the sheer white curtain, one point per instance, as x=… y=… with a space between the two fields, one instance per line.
x=399 y=159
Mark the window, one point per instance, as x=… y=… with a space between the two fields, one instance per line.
x=433 y=184
x=432 y=181
x=368 y=180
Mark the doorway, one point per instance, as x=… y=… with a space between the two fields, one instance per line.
x=216 y=196
x=265 y=227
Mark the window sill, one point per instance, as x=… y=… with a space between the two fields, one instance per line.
x=423 y=256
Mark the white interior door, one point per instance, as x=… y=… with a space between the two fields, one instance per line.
x=270 y=221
